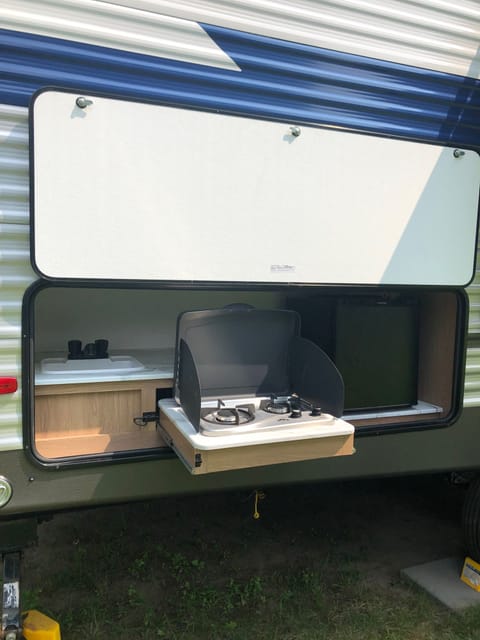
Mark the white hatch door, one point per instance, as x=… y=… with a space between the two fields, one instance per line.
x=132 y=191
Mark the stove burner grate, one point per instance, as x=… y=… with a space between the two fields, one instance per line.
x=226 y=415
x=278 y=407
x=230 y=415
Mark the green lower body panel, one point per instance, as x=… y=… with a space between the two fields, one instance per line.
x=37 y=489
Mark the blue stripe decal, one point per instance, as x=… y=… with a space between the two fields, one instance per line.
x=278 y=80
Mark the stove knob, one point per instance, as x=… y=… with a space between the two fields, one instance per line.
x=296 y=413
x=316 y=411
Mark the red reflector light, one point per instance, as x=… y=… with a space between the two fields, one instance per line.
x=8 y=385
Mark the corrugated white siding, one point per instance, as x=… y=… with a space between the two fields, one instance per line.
x=435 y=34
x=115 y=26
x=15 y=271
x=474 y=296
x=472 y=373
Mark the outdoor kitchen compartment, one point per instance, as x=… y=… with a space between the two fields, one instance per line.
x=266 y=395
x=78 y=414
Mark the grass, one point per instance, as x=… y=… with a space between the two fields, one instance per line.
x=316 y=565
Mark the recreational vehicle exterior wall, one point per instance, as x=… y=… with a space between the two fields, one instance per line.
x=399 y=71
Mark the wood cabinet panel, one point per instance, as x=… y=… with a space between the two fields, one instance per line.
x=92 y=418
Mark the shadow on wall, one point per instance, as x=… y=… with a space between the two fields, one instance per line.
x=453 y=229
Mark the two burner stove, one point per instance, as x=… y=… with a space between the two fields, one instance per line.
x=258 y=414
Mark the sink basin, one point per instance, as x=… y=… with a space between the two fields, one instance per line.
x=114 y=364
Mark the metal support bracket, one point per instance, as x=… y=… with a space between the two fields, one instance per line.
x=11 y=618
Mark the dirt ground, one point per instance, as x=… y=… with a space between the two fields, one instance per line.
x=385 y=525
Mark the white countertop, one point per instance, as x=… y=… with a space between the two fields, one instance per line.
x=158 y=364
x=311 y=431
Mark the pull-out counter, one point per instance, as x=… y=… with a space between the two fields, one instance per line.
x=202 y=454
